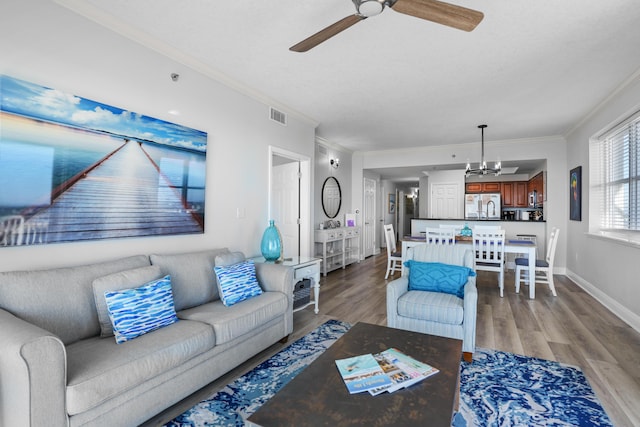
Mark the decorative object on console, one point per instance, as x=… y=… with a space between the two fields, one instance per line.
x=483 y=169
x=271 y=244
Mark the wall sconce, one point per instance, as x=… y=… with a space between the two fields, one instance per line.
x=335 y=163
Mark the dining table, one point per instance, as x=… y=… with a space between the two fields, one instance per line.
x=514 y=246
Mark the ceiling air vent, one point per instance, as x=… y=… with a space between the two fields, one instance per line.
x=278 y=116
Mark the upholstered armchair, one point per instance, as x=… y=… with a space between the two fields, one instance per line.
x=436 y=313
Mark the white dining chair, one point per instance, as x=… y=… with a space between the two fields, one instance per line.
x=544 y=267
x=440 y=236
x=394 y=257
x=488 y=249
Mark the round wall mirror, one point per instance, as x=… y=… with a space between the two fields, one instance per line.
x=331 y=197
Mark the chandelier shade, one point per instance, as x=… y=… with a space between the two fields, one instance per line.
x=483 y=169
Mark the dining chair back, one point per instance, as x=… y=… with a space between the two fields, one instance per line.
x=440 y=236
x=544 y=267
x=394 y=257
x=488 y=249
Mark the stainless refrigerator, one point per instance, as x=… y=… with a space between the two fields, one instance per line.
x=482 y=206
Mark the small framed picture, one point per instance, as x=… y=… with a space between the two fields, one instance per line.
x=575 y=194
x=392 y=203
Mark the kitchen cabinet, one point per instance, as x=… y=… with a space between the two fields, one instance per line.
x=483 y=187
x=537 y=184
x=514 y=194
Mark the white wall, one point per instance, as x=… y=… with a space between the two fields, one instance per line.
x=607 y=269
x=326 y=151
x=52 y=46
x=551 y=148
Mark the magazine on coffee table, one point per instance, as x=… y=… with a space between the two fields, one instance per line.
x=403 y=370
x=362 y=373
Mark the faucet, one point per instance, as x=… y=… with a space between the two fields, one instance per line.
x=494 y=208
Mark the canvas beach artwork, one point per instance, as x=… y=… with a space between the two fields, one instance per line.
x=75 y=169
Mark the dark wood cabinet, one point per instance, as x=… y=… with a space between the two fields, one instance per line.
x=537 y=184
x=507 y=194
x=514 y=194
x=520 y=195
x=483 y=187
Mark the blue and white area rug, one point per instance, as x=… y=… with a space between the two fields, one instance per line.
x=497 y=389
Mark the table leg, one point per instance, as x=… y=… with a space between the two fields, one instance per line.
x=316 y=293
x=532 y=273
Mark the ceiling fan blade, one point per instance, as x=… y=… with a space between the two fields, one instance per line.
x=326 y=34
x=441 y=13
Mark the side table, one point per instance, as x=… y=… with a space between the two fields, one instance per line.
x=303 y=268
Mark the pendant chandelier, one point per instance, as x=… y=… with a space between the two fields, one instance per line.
x=482 y=167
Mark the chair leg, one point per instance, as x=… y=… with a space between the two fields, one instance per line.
x=517 y=279
x=501 y=282
x=467 y=356
x=552 y=286
x=389 y=264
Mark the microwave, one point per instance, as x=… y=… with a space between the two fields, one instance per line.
x=533 y=199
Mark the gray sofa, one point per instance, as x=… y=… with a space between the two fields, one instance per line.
x=57 y=370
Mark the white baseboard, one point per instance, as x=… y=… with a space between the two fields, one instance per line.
x=616 y=308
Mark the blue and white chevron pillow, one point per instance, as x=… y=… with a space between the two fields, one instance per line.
x=134 y=312
x=237 y=282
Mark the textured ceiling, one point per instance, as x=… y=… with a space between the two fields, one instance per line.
x=530 y=69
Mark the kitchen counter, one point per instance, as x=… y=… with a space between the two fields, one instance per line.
x=512 y=228
x=475 y=221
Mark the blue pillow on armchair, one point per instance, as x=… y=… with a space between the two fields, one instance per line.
x=438 y=277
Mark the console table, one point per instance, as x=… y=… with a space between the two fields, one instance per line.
x=338 y=247
x=303 y=268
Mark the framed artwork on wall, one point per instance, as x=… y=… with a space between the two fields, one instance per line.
x=392 y=203
x=575 y=194
x=75 y=169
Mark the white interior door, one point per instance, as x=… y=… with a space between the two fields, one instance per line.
x=369 y=215
x=290 y=200
x=285 y=205
x=445 y=200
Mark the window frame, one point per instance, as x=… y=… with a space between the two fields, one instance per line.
x=610 y=171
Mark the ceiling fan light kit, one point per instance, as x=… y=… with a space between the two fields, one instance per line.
x=431 y=10
x=483 y=169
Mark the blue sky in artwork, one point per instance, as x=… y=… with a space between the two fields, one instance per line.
x=31 y=100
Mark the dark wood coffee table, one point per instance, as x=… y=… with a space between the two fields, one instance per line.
x=318 y=396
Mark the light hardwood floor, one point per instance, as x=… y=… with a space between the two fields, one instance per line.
x=571 y=328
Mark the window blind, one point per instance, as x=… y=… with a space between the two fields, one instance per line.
x=618 y=177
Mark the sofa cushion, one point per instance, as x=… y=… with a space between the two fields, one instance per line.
x=232 y=322
x=438 y=277
x=137 y=311
x=192 y=276
x=98 y=369
x=432 y=306
x=237 y=282
x=229 y=259
x=115 y=282
x=60 y=300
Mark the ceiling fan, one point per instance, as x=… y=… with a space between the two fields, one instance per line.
x=432 y=10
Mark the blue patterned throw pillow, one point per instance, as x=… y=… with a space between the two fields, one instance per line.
x=237 y=282
x=438 y=277
x=136 y=311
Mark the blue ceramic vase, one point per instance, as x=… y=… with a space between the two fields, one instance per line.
x=271 y=245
